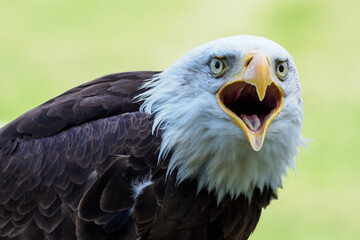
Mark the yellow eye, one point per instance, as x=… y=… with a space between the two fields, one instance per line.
x=282 y=69
x=217 y=66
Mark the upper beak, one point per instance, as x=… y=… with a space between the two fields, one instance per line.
x=252 y=99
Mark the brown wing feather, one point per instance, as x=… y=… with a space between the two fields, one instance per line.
x=48 y=155
x=46 y=209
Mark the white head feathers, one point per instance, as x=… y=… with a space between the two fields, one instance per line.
x=205 y=143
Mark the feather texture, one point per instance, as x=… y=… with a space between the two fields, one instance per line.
x=49 y=153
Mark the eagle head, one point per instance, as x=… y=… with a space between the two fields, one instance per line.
x=230 y=113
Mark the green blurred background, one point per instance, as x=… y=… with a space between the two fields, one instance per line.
x=47 y=47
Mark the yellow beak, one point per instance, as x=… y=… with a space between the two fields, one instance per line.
x=252 y=99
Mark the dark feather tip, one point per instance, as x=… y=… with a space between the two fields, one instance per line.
x=116 y=221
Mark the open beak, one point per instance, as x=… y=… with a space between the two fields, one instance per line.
x=252 y=99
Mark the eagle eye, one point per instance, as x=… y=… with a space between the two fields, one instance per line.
x=217 y=66
x=282 y=69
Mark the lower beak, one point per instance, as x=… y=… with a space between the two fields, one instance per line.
x=252 y=99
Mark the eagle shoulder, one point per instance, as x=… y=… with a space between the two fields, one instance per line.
x=53 y=153
x=104 y=97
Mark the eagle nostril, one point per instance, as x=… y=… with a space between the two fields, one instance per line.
x=268 y=61
x=248 y=61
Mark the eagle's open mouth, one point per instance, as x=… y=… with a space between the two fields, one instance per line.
x=242 y=99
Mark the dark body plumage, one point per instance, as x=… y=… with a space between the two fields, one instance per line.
x=68 y=167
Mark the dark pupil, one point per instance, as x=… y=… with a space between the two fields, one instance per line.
x=217 y=65
x=281 y=68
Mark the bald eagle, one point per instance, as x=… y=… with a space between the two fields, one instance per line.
x=193 y=152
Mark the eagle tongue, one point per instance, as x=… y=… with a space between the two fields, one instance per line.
x=253 y=121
